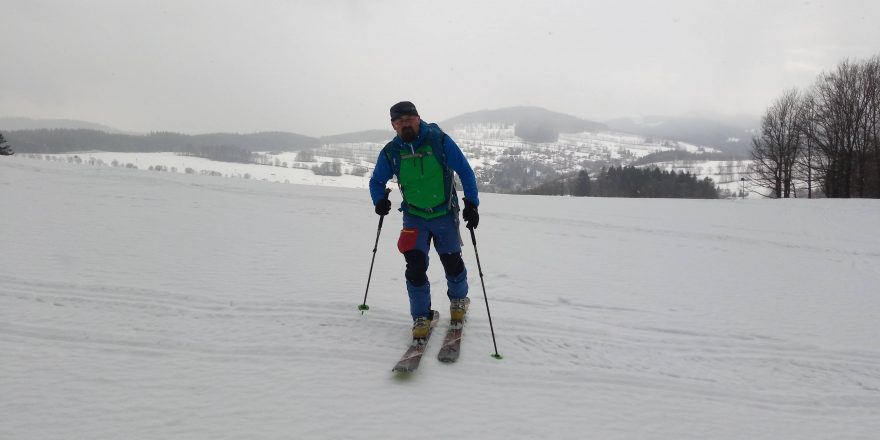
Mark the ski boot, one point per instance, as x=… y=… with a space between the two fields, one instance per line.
x=458 y=308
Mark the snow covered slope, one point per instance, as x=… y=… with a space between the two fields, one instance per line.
x=145 y=305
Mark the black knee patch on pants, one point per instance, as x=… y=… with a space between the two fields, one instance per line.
x=452 y=263
x=416 y=267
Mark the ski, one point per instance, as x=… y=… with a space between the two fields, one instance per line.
x=451 y=343
x=410 y=360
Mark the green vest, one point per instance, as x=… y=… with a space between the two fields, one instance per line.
x=424 y=179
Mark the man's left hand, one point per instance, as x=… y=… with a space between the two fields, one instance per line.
x=470 y=214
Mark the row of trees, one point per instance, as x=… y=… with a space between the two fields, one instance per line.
x=513 y=174
x=826 y=137
x=682 y=155
x=578 y=185
x=631 y=182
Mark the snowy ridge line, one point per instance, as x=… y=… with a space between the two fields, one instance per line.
x=608 y=327
x=589 y=362
x=690 y=341
x=677 y=354
x=319 y=315
x=584 y=226
x=282 y=345
x=167 y=308
x=700 y=363
x=85 y=339
x=154 y=315
x=713 y=348
x=566 y=303
x=127 y=343
x=69 y=294
x=152 y=299
x=672 y=387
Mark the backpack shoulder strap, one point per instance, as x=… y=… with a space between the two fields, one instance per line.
x=392 y=154
x=437 y=137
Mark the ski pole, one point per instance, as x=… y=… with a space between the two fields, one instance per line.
x=486 y=298
x=364 y=307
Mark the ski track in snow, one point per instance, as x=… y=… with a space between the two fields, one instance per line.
x=104 y=335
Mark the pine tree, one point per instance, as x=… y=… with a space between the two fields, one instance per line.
x=5 y=149
x=581 y=184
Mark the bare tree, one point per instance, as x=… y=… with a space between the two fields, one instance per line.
x=305 y=156
x=807 y=157
x=841 y=121
x=872 y=86
x=775 y=151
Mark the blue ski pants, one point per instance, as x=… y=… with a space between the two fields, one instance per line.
x=415 y=243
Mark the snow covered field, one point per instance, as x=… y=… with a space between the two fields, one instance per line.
x=150 y=305
x=725 y=174
x=177 y=163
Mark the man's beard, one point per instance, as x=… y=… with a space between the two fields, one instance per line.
x=408 y=134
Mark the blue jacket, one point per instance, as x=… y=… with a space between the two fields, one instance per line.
x=455 y=160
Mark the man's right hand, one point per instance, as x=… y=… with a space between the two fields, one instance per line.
x=383 y=207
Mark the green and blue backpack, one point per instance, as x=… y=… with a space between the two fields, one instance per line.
x=425 y=180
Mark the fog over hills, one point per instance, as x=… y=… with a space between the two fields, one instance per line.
x=527 y=114
x=533 y=124
x=359 y=136
x=729 y=134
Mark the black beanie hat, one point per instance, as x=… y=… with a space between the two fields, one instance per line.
x=403 y=108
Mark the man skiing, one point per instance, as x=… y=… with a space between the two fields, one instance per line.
x=423 y=158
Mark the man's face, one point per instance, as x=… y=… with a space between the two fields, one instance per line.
x=407 y=127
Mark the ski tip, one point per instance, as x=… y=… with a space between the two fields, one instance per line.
x=403 y=373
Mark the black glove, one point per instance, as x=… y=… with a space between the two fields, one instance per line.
x=383 y=207
x=470 y=214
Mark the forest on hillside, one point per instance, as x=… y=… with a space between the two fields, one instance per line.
x=630 y=182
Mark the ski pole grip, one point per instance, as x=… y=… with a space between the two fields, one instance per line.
x=382 y=217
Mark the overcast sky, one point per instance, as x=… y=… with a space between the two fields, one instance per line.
x=328 y=67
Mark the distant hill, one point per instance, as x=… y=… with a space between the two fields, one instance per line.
x=19 y=123
x=534 y=124
x=512 y=115
x=379 y=136
x=732 y=135
x=219 y=146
